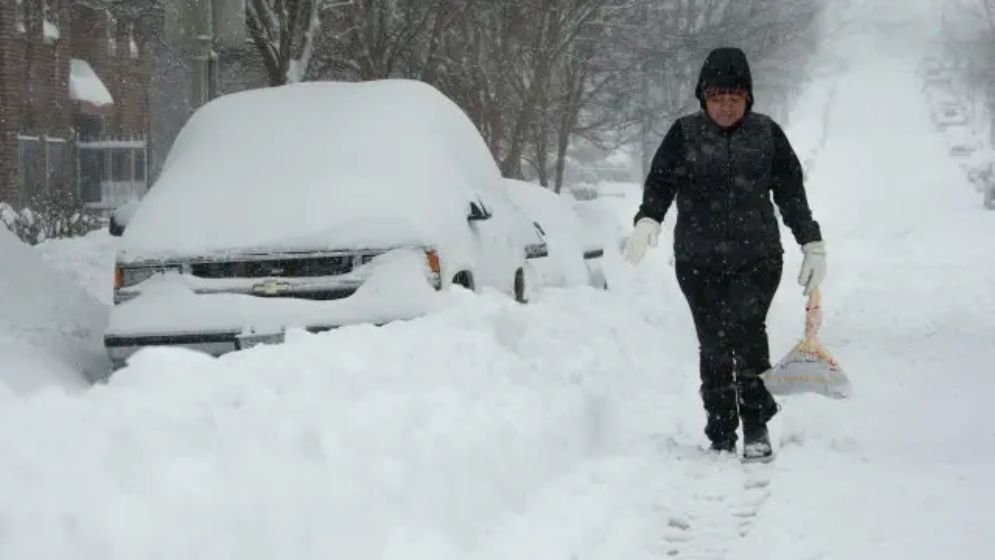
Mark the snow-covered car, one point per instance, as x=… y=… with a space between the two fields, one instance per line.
x=964 y=149
x=980 y=169
x=313 y=206
x=574 y=253
x=603 y=221
x=962 y=143
x=989 y=192
x=948 y=115
x=935 y=75
x=977 y=166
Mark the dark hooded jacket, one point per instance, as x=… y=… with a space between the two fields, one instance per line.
x=723 y=179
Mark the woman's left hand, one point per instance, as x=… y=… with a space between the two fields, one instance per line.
x=813 y=266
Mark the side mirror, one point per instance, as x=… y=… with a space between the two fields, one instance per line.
x=116 y=228
x=478 y=212
x=120 y=217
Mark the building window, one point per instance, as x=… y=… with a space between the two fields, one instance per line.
x=132 y=45
x=20 y=16
x=91 y=175
x=121 y=162
x=112 y=172
x=50 y=21
x=140 y=165
x=111 y=29
x=42 y=165
x=55 y=163
x=30 y=162
x=213 y=76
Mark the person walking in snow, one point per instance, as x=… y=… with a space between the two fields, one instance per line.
x=722 y=164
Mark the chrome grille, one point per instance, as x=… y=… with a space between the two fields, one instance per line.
x=278 y=268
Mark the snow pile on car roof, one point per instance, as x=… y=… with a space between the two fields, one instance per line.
x=327 y=164
x=50 y=328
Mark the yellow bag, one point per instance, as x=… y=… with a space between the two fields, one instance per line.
x=809 y=368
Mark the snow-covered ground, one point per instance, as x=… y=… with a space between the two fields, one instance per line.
x=568 y=428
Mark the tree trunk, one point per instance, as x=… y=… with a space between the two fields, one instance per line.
x=284 y=32
x=512 y=164
x=562 y=144
x=542 y=152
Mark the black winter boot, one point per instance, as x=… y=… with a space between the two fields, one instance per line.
x=756 y=444
x=726 y=445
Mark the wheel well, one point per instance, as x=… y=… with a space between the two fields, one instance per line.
x=520 y=295
x=464 y=278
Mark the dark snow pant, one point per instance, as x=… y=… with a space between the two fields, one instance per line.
x=729 y=308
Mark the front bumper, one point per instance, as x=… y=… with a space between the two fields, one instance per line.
x=121 y=347
x=220 y=316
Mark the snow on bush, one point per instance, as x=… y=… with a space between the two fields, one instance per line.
x=50 y=215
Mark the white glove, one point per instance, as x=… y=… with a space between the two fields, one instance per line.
x=645 y=235
x=813 y=266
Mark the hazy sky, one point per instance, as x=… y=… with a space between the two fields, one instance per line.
x=862 y=29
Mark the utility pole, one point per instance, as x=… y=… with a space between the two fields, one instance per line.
x=204 y=57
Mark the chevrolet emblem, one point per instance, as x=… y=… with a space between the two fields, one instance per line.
x=271 y=288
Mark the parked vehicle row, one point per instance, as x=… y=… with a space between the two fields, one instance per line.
x=318 y=205
x=950 y=115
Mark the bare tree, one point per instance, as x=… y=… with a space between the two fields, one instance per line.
x=284 y=32
x=536 y=76
x=668 y=48
x=374 y=39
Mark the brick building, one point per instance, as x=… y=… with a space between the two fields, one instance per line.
x=74 y=98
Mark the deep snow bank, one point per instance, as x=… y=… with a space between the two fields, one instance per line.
x=50 y=328
x=407 y=441
x=87 y=260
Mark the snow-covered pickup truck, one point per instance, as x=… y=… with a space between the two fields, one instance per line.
x=313 y=206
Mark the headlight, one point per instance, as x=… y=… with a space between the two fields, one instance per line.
x=435 y=268
x=127 y=276
x=433 y=262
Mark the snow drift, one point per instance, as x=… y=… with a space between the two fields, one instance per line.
x=50 y=328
